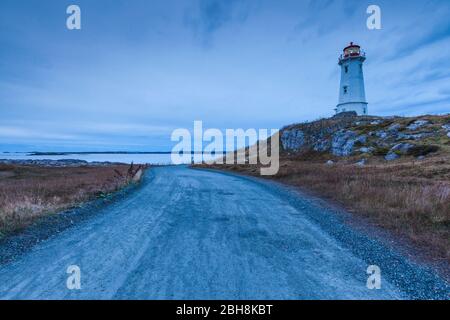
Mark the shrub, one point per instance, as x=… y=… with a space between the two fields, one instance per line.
x=381 y=151
x=422 y=150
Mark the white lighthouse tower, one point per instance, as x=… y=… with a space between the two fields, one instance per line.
x=352 y=96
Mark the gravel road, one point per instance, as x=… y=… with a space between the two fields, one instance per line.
x=196 y=234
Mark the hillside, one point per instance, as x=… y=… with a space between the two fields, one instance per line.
x=394 y=172
x=364 y=137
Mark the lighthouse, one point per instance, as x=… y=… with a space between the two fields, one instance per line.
x=352 y=96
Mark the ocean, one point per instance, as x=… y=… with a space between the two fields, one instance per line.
x=160 y=159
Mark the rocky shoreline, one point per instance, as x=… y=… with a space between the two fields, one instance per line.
x=58 y=163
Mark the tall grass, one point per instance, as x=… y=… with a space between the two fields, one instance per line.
x=27 y=192
x=395 y=197
x=409 y=198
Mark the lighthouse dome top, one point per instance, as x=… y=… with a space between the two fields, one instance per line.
x=352 y=51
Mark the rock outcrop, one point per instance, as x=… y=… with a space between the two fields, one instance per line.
x=293 y=139
x=388 y=137
x=343 y=142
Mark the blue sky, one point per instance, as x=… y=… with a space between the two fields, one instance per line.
x=139 y=69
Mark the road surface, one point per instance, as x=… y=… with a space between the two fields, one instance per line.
x=195 y=234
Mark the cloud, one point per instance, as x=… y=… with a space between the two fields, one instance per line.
x=211 y=15
x=410 y=45
x=11 y=132
x=324 y=17
x=416 y=107
x=136 y=71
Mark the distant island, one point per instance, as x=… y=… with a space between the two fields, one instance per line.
x=35 y=153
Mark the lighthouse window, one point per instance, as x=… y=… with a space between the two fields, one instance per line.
x=345 y=89
x=346 y=69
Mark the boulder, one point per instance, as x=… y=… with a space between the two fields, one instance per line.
x=361 y=163
x=402 y=148
x=417 y=124
x=391 y=156
x=404 y=136
x=394 y=127
x=381 y=134
x=366 y=149
x=362 y=139
x=343 y=142
x=415 y=136
x=329 y=163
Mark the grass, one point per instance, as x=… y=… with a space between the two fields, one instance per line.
x=408 y=197
x=30 y=192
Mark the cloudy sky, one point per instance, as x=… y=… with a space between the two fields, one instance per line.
x=140 y=68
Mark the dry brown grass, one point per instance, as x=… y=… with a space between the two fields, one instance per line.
x=410 y=198
x=29 y=192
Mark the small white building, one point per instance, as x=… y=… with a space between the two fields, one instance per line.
x=352 y=96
